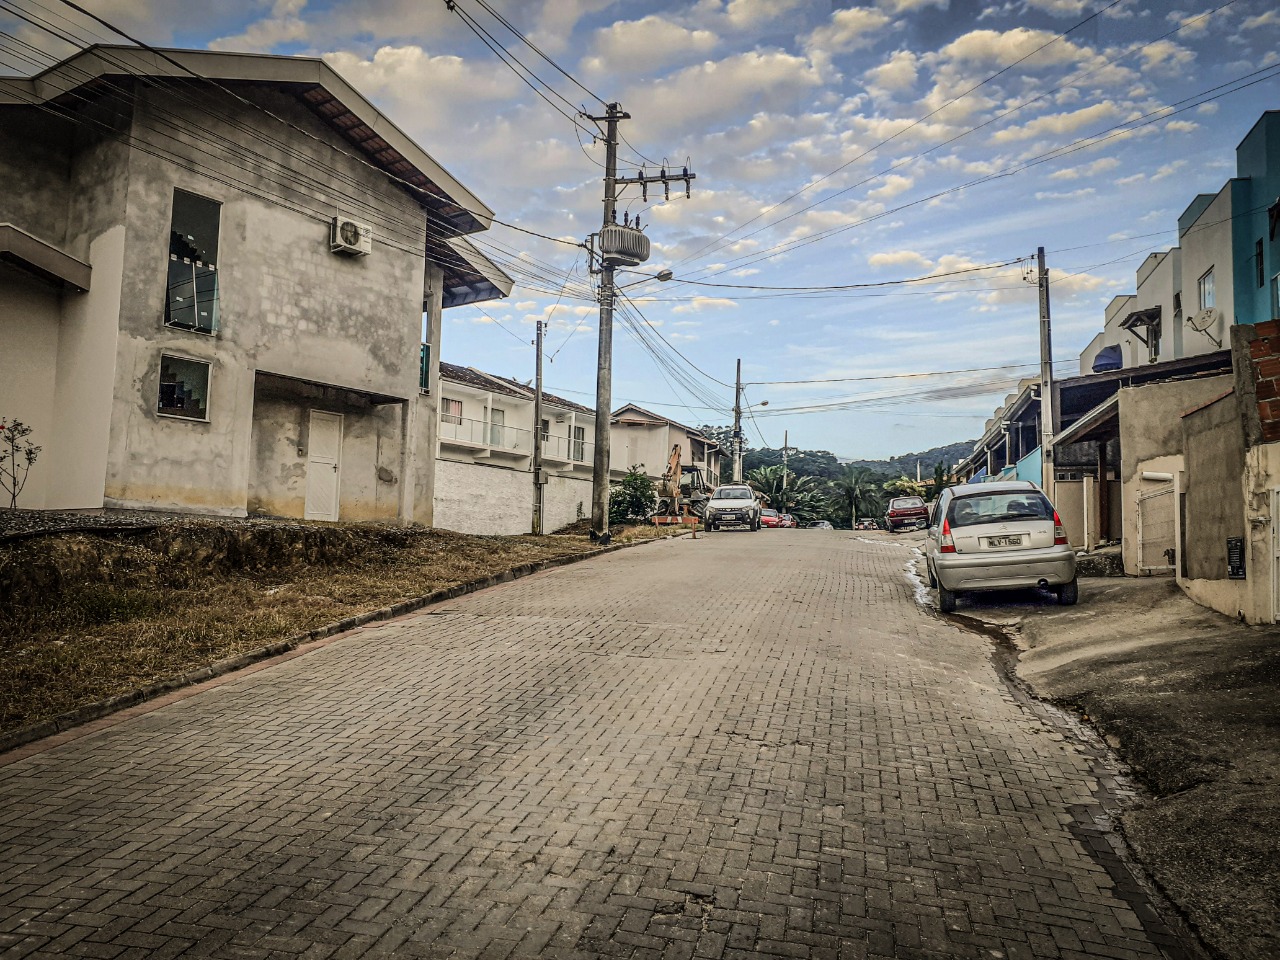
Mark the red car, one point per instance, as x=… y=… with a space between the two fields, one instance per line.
x=906 y=513
x=771 y=518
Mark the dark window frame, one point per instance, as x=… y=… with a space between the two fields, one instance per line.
x=172 y=409
x=191 y=270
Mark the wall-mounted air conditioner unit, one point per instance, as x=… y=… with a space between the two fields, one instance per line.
x=351 y=237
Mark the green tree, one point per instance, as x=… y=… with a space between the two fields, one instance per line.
x=858 y=492
x=941 y=479
x=632 y=498
x=905 y=487
x=800 y=496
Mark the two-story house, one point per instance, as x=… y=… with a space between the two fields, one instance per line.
x=485 y=480
x=217 y=274
x=639 y=437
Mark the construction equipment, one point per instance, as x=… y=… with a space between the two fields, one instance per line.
x=682 y=492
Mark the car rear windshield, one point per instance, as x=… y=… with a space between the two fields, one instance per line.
x=732 y=493
x=999 y=508
x=904 y=502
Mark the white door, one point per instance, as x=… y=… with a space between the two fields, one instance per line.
x=324 y=460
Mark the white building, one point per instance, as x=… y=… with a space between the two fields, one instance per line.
x=641 y=438
x=484 y=468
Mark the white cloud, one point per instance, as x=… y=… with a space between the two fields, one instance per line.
x=1166 y=58
x=700 y=303
x=1168 y=170
x=285 y=25
x=1058 y=124
x=1101 y=165
x=893 y=184
x=1268 y=19
x=641 y=46
x=848 y=29
x=1058 y=8
x=900 y=258
x=896 y=75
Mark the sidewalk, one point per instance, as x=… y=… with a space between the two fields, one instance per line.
x=1191 y=700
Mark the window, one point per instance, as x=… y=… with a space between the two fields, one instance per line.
x=579 y=443
x=999 y=508
x=451 y=412
x=184 y=388
x=1262 y=270
x=546 y=430
x=497 y=419
x=1275 y=297
x=424 y=369
x=1206 y=291
x=191 y=299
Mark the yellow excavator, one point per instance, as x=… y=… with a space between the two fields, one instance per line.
x=682 y=492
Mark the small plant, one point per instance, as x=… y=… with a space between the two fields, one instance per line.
x=17 y=454
x=632 y=498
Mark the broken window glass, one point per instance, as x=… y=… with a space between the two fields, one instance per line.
x=191 y=300
x=184 y=388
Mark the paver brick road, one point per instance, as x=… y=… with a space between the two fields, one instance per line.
x=743 y=745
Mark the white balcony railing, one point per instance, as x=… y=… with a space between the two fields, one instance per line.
x=482 y=433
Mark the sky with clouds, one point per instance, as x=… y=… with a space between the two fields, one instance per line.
x=835 y=144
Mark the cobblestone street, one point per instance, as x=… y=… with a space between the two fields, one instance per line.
x=740 y=745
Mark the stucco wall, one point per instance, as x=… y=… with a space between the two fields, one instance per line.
x=35 y=163
x=478 y=498
x=288 y=306
x=29 y=321
x=1207 y=244
x=1214 y=487
x=1151 y=441
x=564 y=500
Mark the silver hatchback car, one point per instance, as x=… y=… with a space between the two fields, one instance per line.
x=997 y=536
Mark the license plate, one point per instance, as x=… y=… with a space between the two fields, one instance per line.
x=728 y=516
x=1004 y=541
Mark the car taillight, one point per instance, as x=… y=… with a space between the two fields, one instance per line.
x=947 y=543
x=1059 y=531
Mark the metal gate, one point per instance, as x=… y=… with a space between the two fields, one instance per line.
x=1156 y=542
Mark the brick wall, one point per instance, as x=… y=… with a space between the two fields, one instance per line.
x=1265 y=353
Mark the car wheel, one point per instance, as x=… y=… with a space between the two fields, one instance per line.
x=933 y=581
x=1069 y=593
x=709 y=526
x=946 y=599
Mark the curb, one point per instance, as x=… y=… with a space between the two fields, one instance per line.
x=96 y=711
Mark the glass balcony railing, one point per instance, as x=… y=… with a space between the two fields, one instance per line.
x=482 y=433
x=566 y=449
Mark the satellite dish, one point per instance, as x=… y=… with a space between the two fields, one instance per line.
x=1205 y=319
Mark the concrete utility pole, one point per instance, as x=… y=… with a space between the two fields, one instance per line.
x=1047 y=474
x=539 y=480
x=608 y=263
x=786 y=436
x=737 y=427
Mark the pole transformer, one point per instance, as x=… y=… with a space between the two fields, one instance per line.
x=623 y=245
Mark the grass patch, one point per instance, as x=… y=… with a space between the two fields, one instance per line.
x=91 y=617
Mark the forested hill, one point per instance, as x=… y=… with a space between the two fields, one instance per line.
x=905 y=465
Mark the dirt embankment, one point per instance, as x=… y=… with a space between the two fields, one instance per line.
x=94 y=614
x=1191 y=700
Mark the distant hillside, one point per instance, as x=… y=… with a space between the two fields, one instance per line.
x=951 y=454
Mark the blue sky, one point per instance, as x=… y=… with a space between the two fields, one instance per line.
x=882 y=115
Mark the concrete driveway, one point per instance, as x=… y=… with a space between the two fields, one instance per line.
x=749 y=744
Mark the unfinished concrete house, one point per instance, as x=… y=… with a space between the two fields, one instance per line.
x=221 y=277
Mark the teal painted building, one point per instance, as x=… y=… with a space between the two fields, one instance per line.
x=1256 y=223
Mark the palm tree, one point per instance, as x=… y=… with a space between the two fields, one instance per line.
x=857 y=491
x=787 y=492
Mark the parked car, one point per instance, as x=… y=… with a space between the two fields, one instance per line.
x=866 y=523
x=770 y=518
x=998 y=536
x=732 y=504
x=905 y=513
x=789 y=521
x=821 y=525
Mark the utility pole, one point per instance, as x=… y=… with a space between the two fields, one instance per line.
x=785 y=439
x=539 y=480
x=737 y=427
x=610 y=259
x=1047 y=475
